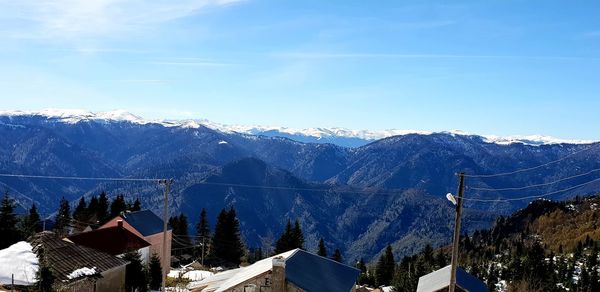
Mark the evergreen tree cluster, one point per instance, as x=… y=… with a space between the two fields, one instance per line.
x=99 y=210
x=181 y=238
x=227 y=244
x=10 y=234
x=14 y=229
x=291 y=238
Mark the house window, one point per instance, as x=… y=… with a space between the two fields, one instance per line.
x=249 y=288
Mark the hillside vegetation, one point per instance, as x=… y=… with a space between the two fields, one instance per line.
x=547 y=246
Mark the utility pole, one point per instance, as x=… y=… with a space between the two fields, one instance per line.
x=167 y=183
x=456 y=241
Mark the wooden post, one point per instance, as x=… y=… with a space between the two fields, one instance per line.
x=166 y=261
x=456 y=240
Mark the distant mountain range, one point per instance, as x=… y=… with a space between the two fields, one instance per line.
x=338 y=136
x=357 y=191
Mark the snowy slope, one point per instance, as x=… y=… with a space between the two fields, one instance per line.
x=334 y=135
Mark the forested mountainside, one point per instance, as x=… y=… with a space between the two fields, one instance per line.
x=547 y=246
x=358 y=199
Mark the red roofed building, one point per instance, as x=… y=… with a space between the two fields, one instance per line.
x=148 y=226
x=114 y=240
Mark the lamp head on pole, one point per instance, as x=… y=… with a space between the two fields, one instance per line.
x=451 y=198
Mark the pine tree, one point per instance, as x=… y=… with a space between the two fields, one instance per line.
x=384 y=271
x=9 y=234
x=427 y=255
x=102 y=209
x=43 y=276
x=285 y=241
x=118 y=206
x=137 y=206
x=135 y=277
x=30 y=223
x=226 y=242
x=202 y=234
x=63 y=218
x=80 y=214
x=297 y=236
x=179 y=226
x=337 y=256
x=92 y=210
x=440 y=259
x=237 y=250
x=322 y=251
x=155 y=272
x=363 y=277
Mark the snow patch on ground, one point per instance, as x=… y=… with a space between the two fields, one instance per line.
x=20 y=261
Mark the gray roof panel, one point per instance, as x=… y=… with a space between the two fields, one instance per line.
x=314 y=273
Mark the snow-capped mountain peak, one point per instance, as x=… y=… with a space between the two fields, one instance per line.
x=334 y=135
x=77 y=115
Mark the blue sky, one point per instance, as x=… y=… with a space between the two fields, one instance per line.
x=487 y=67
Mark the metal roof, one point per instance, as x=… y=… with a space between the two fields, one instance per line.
x=145 y=222
x=64 y=257
x=315 y=273
x=440 y=279
x=305 y=270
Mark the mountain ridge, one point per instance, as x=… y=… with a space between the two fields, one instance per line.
x=335 y=135
x=401 y=180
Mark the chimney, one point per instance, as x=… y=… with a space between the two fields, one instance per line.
x=278 y=275
x=120 y=223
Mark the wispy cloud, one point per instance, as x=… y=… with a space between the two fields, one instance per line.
x=76 y=18
x=191 y=62
x=326 y=55
x=142 y=81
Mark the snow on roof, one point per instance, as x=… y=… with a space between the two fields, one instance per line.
x=440 y=279
x=20 y=261
x=194 y=275
x=197 y=275
x=225 y=280
x=82 y=272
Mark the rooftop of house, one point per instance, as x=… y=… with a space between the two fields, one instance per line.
x=440 y=279
x=113 y=240
x=69 y=261
x=305 y=270
x=145 y=222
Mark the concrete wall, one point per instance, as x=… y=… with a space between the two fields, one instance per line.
x=156 y=246
x=112 y=280
x=263 y=283
x=260 y=283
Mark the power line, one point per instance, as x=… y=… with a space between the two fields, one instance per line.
x=534 y=185
x=530 y=168
x=533 y=197
x=79 y=177
x=204 y=183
